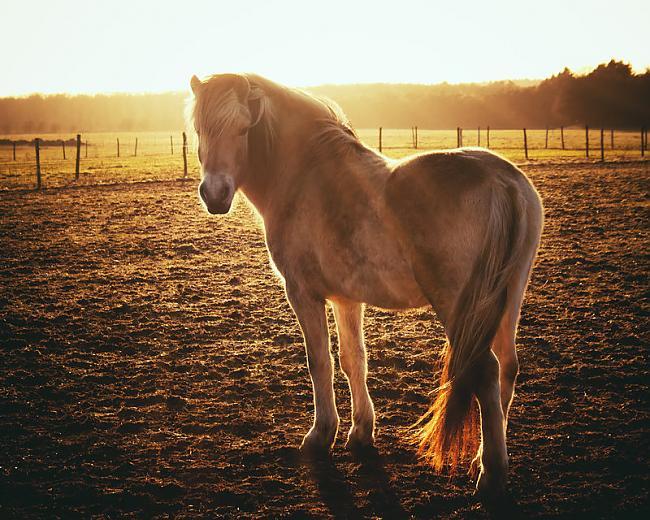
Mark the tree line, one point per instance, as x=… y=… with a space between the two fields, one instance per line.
x=610 y=96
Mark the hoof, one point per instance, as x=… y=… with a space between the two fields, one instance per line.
x=497 y=500
x=360 y=439
x=318 y=443
x=491 y=488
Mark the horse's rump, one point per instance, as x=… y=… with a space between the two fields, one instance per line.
x=465 y=220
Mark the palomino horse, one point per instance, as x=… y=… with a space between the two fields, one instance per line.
x=457 y=230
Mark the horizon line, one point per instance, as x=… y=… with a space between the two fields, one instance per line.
x=302 y=87
x=581 y=72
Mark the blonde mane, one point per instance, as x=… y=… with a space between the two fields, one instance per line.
x=222 y=108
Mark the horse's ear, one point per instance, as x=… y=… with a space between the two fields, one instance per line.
x=256 y=105
x=195 y=83
x=255 y=109
x=242 y=86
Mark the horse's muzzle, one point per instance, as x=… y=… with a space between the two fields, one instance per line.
x=219 y=206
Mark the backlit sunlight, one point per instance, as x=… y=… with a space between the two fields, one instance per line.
x=79 y=46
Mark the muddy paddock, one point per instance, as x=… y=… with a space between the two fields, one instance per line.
x=151 y=366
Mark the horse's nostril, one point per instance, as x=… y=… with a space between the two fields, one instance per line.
x=202 y=192
x=225 y=191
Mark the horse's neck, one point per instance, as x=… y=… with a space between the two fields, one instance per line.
x=269 y=181
x=268 y=175
x=257 y=186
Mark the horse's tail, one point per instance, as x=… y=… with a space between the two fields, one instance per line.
x=449 y=431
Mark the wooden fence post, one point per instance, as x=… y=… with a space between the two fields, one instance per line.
x=86 y=145
x=63 y=147
x=37 y=146
x=135 y=150
x=611 y=138
x=14 y=145
x=76 y=168
x=562 y=136
x=478 y=137
x=602 y=145
x=587 y=141
x=488 y=136
x=546 y=141
x=416 y=137
x=380 y=139
x=642 y=141
x=171 y=143
x=118 y=146
x=184 y=155
x=525 y=144
x=458 y=137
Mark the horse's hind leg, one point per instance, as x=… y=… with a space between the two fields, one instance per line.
x=311 y=315
x=504 y=342
x=493 y=454
x=352 y=354
x=505 y=351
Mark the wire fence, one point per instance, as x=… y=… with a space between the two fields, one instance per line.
x=103 y=158
x=538 y=144
x=29 y=161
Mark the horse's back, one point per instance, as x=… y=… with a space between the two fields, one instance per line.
x=448 y=174
x=451 y=184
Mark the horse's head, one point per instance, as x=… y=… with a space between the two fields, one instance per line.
x=225 y=108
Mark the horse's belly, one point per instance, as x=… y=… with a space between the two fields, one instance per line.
x=404 y=296
x=393 y=288
x=364 y=262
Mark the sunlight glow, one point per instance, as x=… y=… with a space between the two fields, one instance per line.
x=78 y=46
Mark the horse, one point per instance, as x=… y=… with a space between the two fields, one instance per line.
x=456 y=230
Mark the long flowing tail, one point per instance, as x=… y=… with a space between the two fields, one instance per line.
x=449 y=431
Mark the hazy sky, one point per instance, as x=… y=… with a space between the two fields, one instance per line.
x=155 y=45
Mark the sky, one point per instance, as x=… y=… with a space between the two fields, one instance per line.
x=92 y=46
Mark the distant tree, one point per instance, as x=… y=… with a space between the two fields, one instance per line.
x=611 y=95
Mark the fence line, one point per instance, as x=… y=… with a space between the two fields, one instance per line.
x=184 y=155
x=627 y=143
x=76 y=168
x=525 y=144
x=37 y=142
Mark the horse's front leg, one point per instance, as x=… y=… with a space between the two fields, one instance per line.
x=352 y=354
x=310 y=312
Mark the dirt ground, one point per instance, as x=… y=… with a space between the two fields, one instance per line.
x=151 y=366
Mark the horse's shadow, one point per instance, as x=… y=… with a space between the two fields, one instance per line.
x=372 y=477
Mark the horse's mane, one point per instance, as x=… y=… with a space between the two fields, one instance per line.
x=332 y=133
x=330 y=128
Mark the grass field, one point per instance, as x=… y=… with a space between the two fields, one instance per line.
x=155 y=161
x=151 y=366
